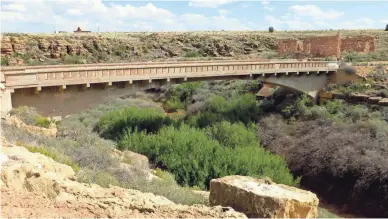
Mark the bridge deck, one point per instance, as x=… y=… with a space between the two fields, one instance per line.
x=62 y=75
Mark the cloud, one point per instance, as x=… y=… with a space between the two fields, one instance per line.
x=359 y=23
x=268 y=8
x=294 y=23
x=14 y=7
x=209 y=3
x=42 y=16
x=9 y=15
x=384 y=21
x=223 y=11
x=265 y=2
x=314 y=12
x=74 y=11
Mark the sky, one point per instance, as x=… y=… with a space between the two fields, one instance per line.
x=40 y=16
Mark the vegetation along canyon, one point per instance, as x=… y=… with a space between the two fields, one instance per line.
x=194 y=109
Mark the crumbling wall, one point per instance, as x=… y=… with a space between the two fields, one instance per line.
x=361 y=44
x=325 y=46
x=321 y=46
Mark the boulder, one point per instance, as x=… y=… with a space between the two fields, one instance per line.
x=15 y=121
x=383 y=102
x=359 y=97
x=261 y=198
x=374 y=100
x=131 y=158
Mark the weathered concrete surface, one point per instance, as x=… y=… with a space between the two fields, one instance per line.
x=260 y=198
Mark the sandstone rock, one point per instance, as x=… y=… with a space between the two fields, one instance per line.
x=374 y=100
x=383 y=102
x=262 y=199
x=358 y=97
x=33 y=185
x=133 y=159
x=15 y=61
x=6 y=48
x=51 y=132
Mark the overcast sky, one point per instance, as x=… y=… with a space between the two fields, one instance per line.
x=66 y=15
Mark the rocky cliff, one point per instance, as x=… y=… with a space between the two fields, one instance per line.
x=69 y=48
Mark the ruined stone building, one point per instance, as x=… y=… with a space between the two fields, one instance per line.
x=325 y=46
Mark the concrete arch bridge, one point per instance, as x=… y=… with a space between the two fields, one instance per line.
x=60 y=90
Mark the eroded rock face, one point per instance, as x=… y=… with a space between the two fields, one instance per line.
x=33 y=185
x=261 y=198
x=50 y=132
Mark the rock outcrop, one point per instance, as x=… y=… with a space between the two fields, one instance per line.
x=261 y=198
x=15 y=121
x=33 y=185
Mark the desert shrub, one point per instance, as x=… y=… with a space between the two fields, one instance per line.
x=165 y=175
x=324 y=213
x=112 y=124
x=192 y=54
x=379 y=73
x=172 y=105
x=185 y=91
x=194 y=158
x=52 y=153
x=386 y=28
x=72 y=59
x=101 y=178
x=26 y=114
x=4 y=61
x=348 y=159
x=271 y=29
x=42 y=121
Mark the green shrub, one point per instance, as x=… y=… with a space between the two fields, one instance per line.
x=112 y=124
x=185 y=91
x=48 y=152
x=233 y=135
x=173 y=105
x=165 y=175
x=237 y=108
x=4 y=61
x=42 y=122
x=192 y=54
x=194 y=158
x=99 y=177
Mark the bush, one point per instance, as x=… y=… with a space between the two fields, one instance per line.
x=233 y=135
x=112 y=124
x=195 y=159
x=72 y=59
x=192 y=54
x=271 y=29
x=165 y=175
x=173 y=105
x=42 y=122
x=101 y=178
x=4 y=61
x=386 y=28
x=48 y=152
x=347 y=159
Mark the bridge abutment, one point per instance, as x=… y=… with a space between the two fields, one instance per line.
x=5 y=100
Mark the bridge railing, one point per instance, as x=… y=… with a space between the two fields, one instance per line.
x=78 y=74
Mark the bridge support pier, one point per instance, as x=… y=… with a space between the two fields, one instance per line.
x=5 y=100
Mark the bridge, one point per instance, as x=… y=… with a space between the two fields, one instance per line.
x=58 y=89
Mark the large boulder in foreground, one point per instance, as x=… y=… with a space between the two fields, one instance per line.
x=261 y=198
